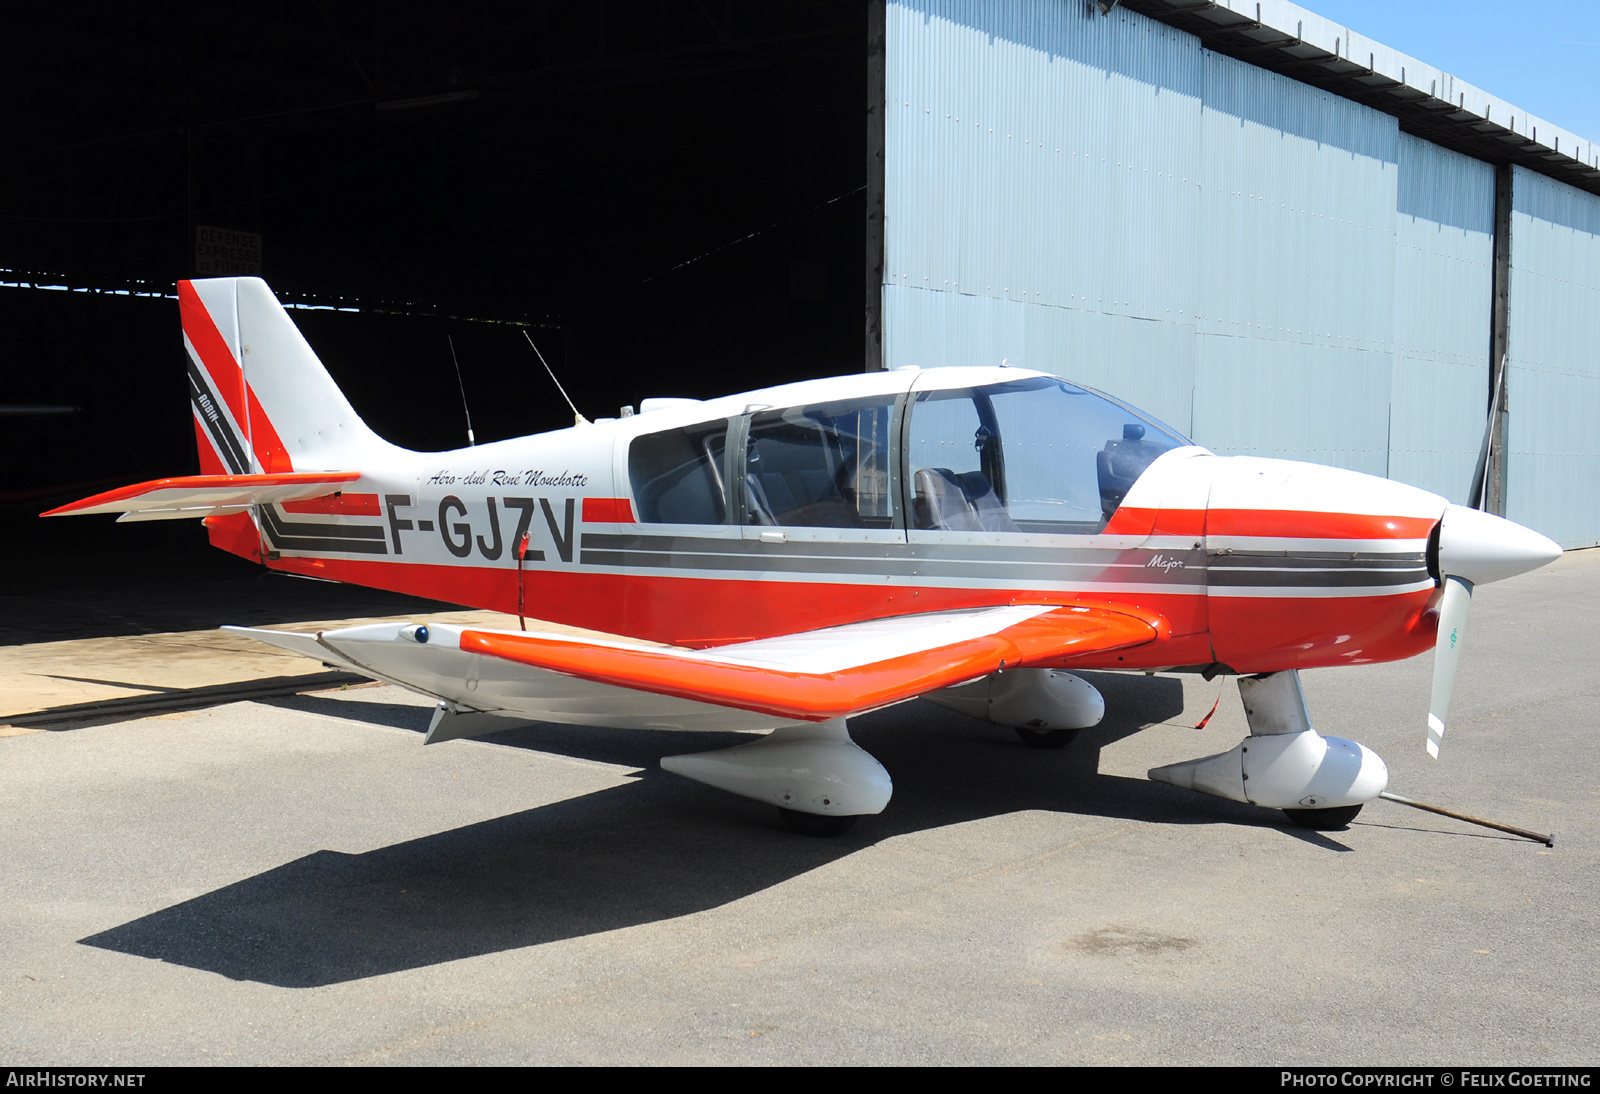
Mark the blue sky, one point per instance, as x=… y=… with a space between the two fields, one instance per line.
x=1544 y=58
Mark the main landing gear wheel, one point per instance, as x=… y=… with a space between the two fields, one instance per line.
x=1323 y=820
x=810 y=824
x=1047 y=738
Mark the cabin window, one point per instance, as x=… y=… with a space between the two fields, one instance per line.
x=677 y=475
x=1030 y=455
x=824 y=466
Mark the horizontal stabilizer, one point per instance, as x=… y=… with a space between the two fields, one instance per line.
x=207 y=495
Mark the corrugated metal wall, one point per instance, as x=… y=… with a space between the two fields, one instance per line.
x=1443 y=278
x=1553 y=346
x=1297 y=315
x=1027 y=216
x=1271 y=268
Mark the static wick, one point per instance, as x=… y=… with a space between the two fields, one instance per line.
x=577 y=419
x=1536 y=837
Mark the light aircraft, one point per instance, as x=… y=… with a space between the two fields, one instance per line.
x=784 y=559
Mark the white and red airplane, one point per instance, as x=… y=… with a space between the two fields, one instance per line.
x=784 y=559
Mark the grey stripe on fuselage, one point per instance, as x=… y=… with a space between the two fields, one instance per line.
x=1317 y=569
x=1322 y=579
x=909 y=567
x=293 y=535
x=800 y=548
x=1182 y=570
x=1312 y=560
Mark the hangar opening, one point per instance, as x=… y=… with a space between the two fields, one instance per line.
x=665 y=196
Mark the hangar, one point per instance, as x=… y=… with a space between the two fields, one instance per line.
x=1287 y=239
x=1282 y=237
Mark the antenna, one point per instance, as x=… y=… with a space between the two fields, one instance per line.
x=471 y=443
x=577 y=419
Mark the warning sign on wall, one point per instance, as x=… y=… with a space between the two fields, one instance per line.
x=223 y=252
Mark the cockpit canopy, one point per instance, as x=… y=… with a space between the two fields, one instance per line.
x=1034 y=454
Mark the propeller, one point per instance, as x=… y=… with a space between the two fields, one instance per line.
x=1474 y=547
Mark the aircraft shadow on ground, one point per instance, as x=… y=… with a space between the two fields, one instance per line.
x=654 y=849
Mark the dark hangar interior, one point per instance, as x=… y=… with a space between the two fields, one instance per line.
x=666 y=195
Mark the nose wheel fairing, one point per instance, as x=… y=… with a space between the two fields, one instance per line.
x=1284 y=763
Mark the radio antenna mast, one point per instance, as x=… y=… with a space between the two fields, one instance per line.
x=471 y=443
x=577 y=419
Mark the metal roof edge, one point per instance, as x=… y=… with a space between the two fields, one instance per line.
x=1429 y=102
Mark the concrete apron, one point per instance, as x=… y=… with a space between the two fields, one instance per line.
x=46 y=684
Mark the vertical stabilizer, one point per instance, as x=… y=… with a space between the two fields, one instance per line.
x=262 y=401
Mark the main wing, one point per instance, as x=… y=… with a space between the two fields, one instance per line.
x=839 y=671
x=808 y=677
x=206 y=495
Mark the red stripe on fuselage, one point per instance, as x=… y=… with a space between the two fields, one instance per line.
x=344 y=505
x=1128 y=520
x=1256 y=634
x=702 y=612
x=1297 y=524
x=608 y=510
x=1277 y=523
x=1179 y=522
x=1251 y=634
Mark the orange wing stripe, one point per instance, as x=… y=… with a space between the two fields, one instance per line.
x=816 y=697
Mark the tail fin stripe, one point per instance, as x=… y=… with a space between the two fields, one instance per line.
x=210 y=460
x=217 y=360
x=210 y=415
x=212 y=350
x=263 y=400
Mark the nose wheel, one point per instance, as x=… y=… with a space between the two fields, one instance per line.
x=1323 y=820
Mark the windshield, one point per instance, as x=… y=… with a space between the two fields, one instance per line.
x=1030 y=455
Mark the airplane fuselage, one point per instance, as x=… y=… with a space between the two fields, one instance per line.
x=1253 y=565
